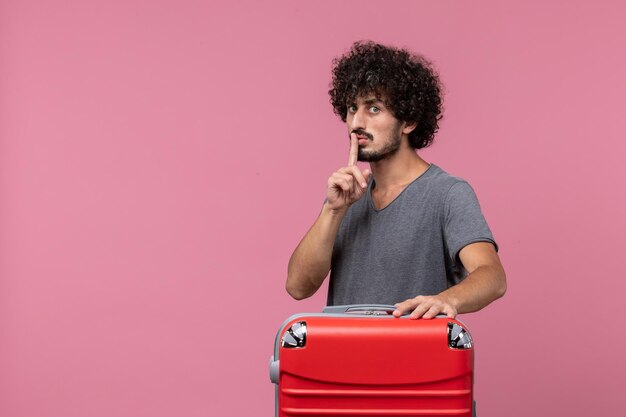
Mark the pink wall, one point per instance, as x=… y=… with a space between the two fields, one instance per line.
x=159 y=160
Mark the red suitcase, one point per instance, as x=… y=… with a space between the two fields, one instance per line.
x=361 y=361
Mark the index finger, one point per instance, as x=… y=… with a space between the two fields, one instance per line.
x=354 y=150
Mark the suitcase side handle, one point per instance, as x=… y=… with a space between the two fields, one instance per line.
x=361 y=309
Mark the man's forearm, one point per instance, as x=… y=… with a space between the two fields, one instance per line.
x=310 y=262
x=484 y=285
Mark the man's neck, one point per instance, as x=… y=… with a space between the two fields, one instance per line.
x=398 y=170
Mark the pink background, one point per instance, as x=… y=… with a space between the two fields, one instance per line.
x=159 y=160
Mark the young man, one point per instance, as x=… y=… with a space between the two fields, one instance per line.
x=406 y=230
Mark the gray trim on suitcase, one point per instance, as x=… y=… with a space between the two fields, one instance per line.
x=365 y=309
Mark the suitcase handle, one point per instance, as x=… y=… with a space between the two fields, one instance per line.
x=362 y=309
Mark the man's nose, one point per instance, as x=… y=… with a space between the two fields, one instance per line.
x=358 y=120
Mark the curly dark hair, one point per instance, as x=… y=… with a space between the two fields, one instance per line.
x=407 y=83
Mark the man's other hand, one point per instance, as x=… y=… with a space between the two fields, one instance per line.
x=348 y=184
x=426 y=307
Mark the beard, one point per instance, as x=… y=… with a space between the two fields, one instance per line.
x=390 y=148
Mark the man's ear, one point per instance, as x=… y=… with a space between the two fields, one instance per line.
x=409 y=127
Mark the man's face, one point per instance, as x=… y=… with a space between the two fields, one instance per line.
x=378 y=131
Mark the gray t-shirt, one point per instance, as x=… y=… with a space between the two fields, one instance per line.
x=408 y=248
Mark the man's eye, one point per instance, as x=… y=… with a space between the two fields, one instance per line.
x=352 y=109
x=374 y=109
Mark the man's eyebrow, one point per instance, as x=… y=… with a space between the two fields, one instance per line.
x=374 y=100
x=368 y=101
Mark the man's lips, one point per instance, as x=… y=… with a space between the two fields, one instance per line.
x=361 y=134
x=362 y=139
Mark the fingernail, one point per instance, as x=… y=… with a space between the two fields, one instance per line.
x=363 y=185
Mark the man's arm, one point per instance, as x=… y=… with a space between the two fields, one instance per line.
x=485 y=283
x=310 y=262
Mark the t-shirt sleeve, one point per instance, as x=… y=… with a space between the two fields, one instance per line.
x=464 y=222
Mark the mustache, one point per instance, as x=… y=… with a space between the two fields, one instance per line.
x=361 y=132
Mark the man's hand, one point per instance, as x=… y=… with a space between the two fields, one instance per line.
x=426 y=307
x=348 y=184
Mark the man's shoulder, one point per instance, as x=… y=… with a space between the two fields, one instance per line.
x=440 y=180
